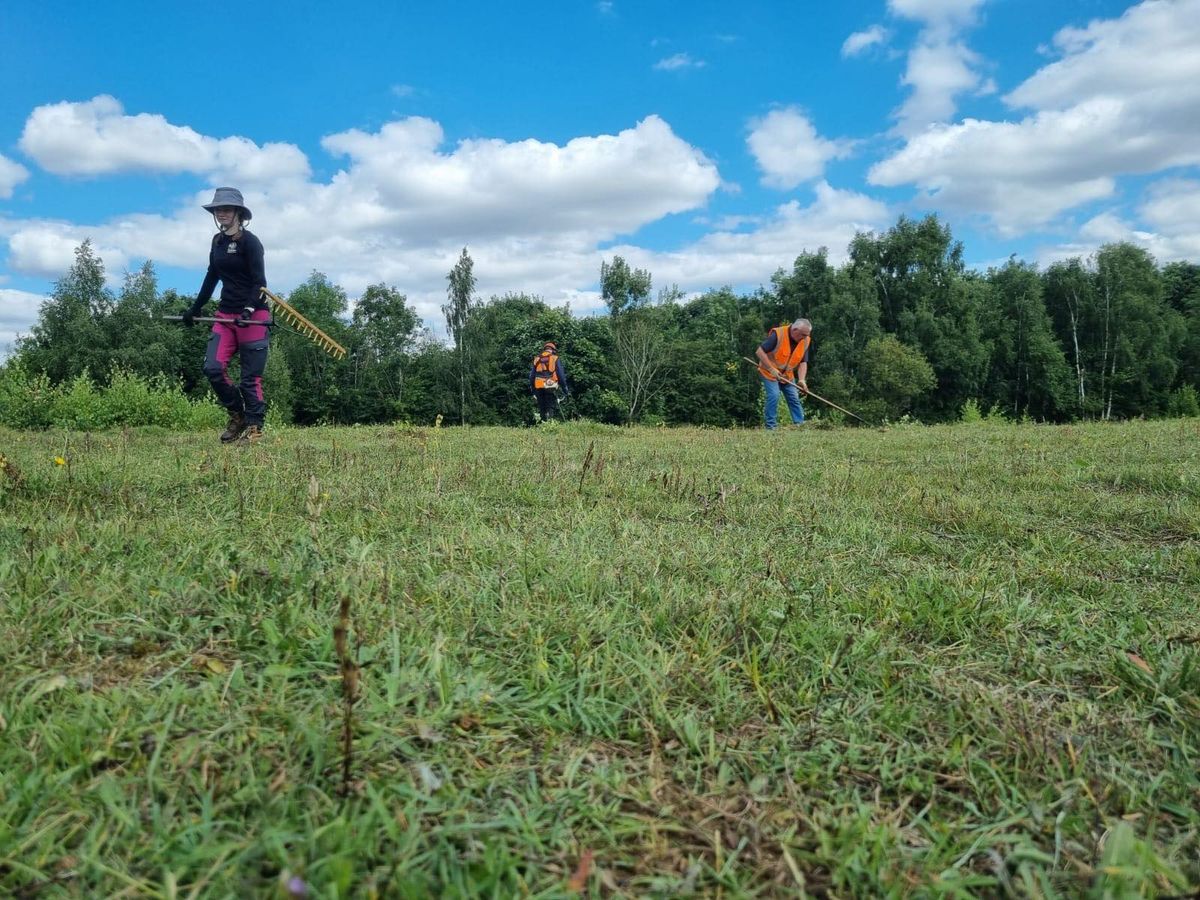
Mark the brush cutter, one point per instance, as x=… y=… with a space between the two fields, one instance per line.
x=808 y=393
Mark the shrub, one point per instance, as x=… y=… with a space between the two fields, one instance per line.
x=79 y=406
x=156 y=400
x=30 y=401
x=1183 y=403
x=204 y=414
x=26 y=400
x=996 y=416
x=971 y=414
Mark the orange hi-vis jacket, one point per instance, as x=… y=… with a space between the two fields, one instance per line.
x=545 y=371
x=786 y=357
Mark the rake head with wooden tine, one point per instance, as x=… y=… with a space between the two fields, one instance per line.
x=293 y=318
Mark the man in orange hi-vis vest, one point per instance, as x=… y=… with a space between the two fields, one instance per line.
x=785 y=353
x=546 y=378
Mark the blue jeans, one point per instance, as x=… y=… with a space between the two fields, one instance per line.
x=771 y=409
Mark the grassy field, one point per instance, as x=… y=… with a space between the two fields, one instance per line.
x=951 y=661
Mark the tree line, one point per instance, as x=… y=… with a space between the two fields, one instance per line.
x=902 y=327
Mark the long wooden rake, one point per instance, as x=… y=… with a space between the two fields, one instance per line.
x=297 y=321
x=287 y=313
x=809 y=393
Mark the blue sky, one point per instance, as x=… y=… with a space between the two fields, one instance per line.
x=708 y=142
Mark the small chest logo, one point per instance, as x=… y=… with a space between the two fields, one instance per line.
x=232 y=248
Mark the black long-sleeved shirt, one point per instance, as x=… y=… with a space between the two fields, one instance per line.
x=238 y=265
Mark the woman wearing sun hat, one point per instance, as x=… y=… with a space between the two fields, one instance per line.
x=236 y=260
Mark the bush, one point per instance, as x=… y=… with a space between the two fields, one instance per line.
x=157 y=400
x=26 y=400
x=1183 y=403
x=604 y=406
x=204 y=414
x=30 y=401
x=971 y=413
x=896 y=373
x=79 y=406
x=996 y=416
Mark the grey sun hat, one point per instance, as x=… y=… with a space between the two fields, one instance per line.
x=227 y=196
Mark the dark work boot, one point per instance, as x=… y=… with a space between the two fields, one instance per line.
x=234 y=428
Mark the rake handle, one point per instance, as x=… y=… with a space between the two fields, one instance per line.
x=269 y=323
x=809 y=393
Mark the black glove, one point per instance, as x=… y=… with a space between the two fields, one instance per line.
x=189 y=317
x=244 y=318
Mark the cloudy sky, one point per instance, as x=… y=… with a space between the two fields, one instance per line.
x=710 y=142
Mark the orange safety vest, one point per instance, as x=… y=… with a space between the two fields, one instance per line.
x=786 y=357
x=545 y=371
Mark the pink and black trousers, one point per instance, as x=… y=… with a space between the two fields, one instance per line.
x=250 y=343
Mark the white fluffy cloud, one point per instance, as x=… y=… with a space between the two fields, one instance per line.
x=937 y=14
x=728 y=257
x=535 y=216
x=18 y=312
x=940 y=66
x=1149 y=51
x=1123 y=99
x=96 y=137
x=938 y=73
x=11 y=174
x=1167 y=225
x=591 y=187
x=679 y=61
x=861 y=41
x=46 y=247
x=788 y=149
x=532 y=213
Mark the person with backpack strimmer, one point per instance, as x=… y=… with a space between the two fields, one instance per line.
x=546 y=377
x=236 y=260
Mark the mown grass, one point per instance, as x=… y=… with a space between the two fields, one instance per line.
x=952 y=661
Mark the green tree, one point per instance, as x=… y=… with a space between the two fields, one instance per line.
x=808 y=287
x=141 y=342
x=1123 y=337
x=1142 y=335
x=623 y=288
x=384 y=330
x=928 y=303
x=69 y=338
x=709 y=382
x=460 y=300
x=1181 y=292
x=320 y=384
x=1069 y=295
x=1028 y=372
x=845 y=320
x=898 y=375
x=505 y=334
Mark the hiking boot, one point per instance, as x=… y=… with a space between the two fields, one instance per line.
x=234 y=427
x=252 y=435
